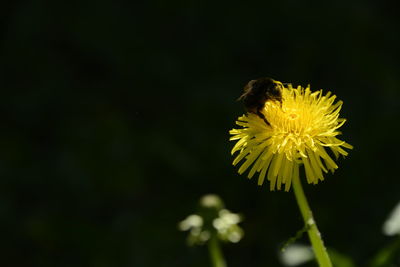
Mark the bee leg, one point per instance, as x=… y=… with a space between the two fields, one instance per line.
x=263 y=117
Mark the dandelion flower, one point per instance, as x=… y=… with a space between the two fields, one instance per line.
x=303 y=126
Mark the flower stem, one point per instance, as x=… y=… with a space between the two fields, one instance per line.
x=313 y=233
x=217 y=259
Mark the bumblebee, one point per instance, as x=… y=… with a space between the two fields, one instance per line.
x=257 y=92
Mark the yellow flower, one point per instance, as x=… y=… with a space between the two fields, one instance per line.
x=302 y=127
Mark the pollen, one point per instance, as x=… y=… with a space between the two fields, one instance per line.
x=303 y=131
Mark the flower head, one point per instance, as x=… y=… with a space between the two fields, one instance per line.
x=212 y=219
x=303 y=125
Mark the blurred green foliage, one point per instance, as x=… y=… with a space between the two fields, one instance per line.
x=115 y=119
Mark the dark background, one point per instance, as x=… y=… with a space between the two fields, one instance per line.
x=115 y=119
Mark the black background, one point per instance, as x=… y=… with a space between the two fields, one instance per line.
x=115 y=119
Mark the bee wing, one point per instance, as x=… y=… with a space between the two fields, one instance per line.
x=246 y=89
x=241 y=97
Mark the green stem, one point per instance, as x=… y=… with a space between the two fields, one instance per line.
x=315 y=236
x=217 y=259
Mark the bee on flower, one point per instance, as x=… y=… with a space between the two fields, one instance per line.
x=289 y=128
